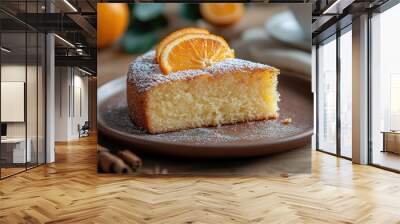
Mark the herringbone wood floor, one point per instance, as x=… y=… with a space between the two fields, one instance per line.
x=70 y=191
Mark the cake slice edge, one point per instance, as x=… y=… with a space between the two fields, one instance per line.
x=171 y=106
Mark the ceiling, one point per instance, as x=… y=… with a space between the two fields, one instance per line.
x=330 y=15
x=72 y=20
x=16 y=42
x=57 y=5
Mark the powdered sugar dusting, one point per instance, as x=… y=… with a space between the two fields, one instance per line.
x=145 y=73
x=234 y=64
x=269 y=131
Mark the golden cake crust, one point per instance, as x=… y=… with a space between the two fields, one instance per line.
x=137 y=104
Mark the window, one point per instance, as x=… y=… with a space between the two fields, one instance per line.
x=385 y=89
x=334 y=106
x=22 y=78
x=327 y=97
x=346 y=93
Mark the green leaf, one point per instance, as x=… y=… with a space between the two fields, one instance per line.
x=190 y=11
x=134 y=43
x=147 y=11
x=148 y=26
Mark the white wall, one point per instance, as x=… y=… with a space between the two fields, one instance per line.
x=70 y=83
x=33 y=127
x=62 y=80
x=17 y=73
x=14 y=73
x=80 y=109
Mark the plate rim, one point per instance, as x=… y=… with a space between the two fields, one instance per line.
x=274 y=22
x=142 y=141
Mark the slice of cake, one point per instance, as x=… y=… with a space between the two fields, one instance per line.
x=195 y=81
x=227 y=92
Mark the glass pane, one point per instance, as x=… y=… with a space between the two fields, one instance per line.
x=31 y=98
x=41 y=98
x=31 y=86
x=13 y=87
x=346 y=94
x=385 y=114
x=23 y=82
x=327 y=97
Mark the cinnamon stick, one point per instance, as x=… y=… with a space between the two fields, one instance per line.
x=101 y=149
x=110 y=163
x=131 y=159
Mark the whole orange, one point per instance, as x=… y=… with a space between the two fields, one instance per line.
x=112 y=21
x=222 y=14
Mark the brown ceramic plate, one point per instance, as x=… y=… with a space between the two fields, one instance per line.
x=238 y=140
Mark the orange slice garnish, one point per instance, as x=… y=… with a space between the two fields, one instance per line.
x=175 y=35
x=194 y=51
x=222 y=14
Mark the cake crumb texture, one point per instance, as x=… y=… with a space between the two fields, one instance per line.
x=227 y=92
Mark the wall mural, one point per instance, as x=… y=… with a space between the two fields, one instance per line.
x=206 y=89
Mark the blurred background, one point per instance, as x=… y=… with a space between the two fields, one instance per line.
x=274 y=34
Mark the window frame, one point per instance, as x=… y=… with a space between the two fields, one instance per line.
x=334 y=37
x=378 y=10
x=29 y=29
